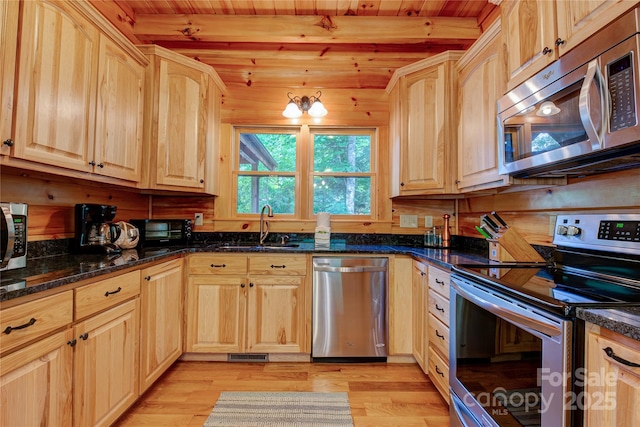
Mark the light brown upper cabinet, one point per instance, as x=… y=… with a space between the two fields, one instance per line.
x=537 y=32
x=182 y=122
x=8 y=46
x=481 y=83
x=79 y=93
x=423 y=126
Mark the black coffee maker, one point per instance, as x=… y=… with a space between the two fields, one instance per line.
x=94 y=230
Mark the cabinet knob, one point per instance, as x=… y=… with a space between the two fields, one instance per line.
x=92 y=163
x=202 y=181
x=100 y=165
x=147 y=278
x=72 y=343
x=8 y=142
x=242 y=285
x=251 y=284
x=559 y=42
x=402 y=184
x=546 y=51
x=84 y=336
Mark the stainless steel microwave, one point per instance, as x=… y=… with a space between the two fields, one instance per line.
x=578 y=116
x=13 y=236
x=163 y=232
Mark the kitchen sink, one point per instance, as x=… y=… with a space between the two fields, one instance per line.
x=265 y=246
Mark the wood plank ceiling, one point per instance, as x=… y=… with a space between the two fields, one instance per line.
x=337 y=44
x=306 y=43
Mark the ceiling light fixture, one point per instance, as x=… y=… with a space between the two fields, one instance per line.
x=548 y=108
x=310 y=104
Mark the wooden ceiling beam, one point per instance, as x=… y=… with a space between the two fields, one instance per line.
x=303 y=29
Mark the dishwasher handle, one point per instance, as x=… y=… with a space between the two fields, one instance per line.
x=354 y=269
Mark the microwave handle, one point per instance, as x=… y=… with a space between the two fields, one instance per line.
x=11 y=235
x=594 y=73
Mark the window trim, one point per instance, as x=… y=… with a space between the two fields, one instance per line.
x=304 y=174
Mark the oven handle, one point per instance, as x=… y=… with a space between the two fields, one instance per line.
x=594 y=73
x=463 y=414
x=503 y=312
x=11 y=235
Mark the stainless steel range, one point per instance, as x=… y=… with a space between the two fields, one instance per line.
x=517 y=348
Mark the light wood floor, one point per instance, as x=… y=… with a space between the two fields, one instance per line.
x=379 y=394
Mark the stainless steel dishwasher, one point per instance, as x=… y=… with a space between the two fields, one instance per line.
x=349 y=309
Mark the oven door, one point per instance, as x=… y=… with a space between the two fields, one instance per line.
x=508 y=361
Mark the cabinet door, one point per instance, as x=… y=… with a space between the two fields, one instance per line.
x=182 y=126
x=579 y=19
x=216 y=308
x=423 y=152
x=276 y=321
x=118 y=138
x=481 y=83
x=55 y=101
x=106 y=365
x=528 y=34
x=8 y=46
x=161 y=308
x=612 y=392
x=400 y=302
x=419 y=308
x=35 y=383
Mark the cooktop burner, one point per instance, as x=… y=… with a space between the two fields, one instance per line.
x=556 y=287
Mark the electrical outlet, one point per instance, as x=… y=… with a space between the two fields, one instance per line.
x=428 y=221
x=409 y=221
x=198 y=219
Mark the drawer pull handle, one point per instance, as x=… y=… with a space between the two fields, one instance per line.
x=218 y=265
x=438 y=335
x=147 y=278
x=72 y=343
x=8 y=329
x=439 y=371
x=278 y=266
x=422 y=273
x=612 y=355
x=84 y=336
x=439 y=282
x=106 y=294
x=439 y=308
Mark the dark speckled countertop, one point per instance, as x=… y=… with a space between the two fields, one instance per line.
x=50 y=272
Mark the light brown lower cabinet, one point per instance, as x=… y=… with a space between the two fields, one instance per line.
x=612 y=377
x=241 y=304
x=106 y=365
x=36 y=383
x=419 y=307
x=161 y=311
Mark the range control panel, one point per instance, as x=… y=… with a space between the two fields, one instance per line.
x=604 y=232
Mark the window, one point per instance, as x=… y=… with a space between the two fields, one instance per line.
x=342 y=174
x=336 y=166
x=267 y=170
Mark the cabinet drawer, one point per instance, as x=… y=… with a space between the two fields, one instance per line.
x=439 y=306
x=295 y=265
x=221 y=264
x=439 y=373
x=439 y=281
x=439 y=336
x=105 y=293
x=40 y=316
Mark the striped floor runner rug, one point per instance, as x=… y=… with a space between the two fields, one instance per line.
x=300 y=409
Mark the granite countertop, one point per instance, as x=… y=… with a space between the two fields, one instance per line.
x=623 y=321
x=55 y=271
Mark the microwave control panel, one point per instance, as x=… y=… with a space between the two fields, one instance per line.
x=623 y=94
x=20 y=239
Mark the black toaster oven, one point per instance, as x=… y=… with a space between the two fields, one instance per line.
x=163 y=232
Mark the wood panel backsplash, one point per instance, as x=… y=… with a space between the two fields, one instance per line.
x=52 y=199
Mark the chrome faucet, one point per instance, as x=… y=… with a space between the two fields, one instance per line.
x=264 y=225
